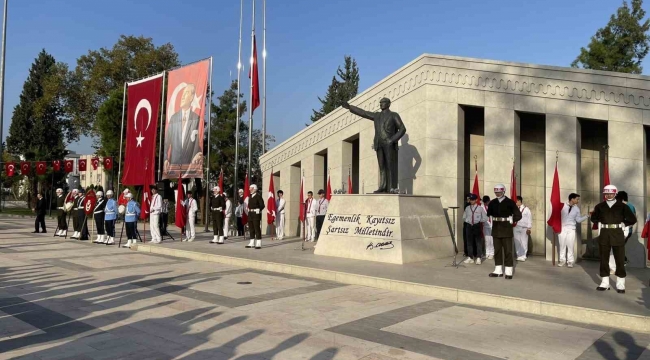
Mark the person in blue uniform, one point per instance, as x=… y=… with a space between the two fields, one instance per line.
x=131 y=214
x=110 y=216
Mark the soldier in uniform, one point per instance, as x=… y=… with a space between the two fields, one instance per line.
x=255 y=207
x=227 y=217
x=73 y=214
x=217 y=204
x=131 y=214
x=98 y=214
x=81 y=216
x=60 y=216
x=110 y=215
x=613 y=216
x=503 y=212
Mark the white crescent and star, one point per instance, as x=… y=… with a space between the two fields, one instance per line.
x=143 y=104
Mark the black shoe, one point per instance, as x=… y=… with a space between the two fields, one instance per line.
x=508 y=277
x=43 y=232
x=620 y=291
x=603 y=289
x=258 y=247
x=34 y=232
x=248 y=247
x=495 y=275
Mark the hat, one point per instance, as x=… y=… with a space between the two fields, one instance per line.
x=473 y=197
x=74 y=191
x=499 y=188
x=610 y=189
x=81 y=191
x=216 y=188
x=321 y=191
x=254 y=186
x=128 y=195
x=126 y=191
x=99 y=193
x=59 y=190
x=109 y=192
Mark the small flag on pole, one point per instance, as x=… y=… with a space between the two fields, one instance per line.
x=302 y=199
x=328 y=192
x=475 y=189
x=255 y=83
x=270 y=204
x=555 y=220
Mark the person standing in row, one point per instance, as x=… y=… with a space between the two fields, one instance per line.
x=190 y=208
x=217 y=203
x=613 y=216
x=131 y=214
x=164 y=217
x=62 y=225
x=227 y=216
x=39 y=210
x=73 y=213
x=255 y=207
x=629 y=230
x=567 y=237
x=487 y=231
x=239 y=213
x=310 y=218
x=503 y=212
x=474 y=216
x=321 y=211
x=98 y=216
x=522 y=230
x=110 y=215
x=279 y=215
x=154 y=219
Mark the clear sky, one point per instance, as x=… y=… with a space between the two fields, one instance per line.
x=306 y=40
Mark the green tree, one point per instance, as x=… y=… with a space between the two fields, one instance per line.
x=38 y=127
x=621 y=45
x=100 y=73
x=341 y=90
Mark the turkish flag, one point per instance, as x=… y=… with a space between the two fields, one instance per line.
x=146 y=202
x=475 y=189
x=255 y=83
x=10 y=169
x=302 y=200
x=328 y=192
x=24 y=168
x=56 y=165
x=183 y=144
x=247 y=195
x=555 y=220
x=69 y=166
x=82 y=164
x=349 y=184
x=41 y=167
x=270 y=204
x=513 y=184
x=89 y=202
x=180 y=209
x=108 y=163
x=221 y=181
x=95 y=163
x=140 y=152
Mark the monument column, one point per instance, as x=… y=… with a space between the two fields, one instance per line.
x=626 y=140
x=339 y=158
x=290 y=179
x=501 y=141
x=562 y=140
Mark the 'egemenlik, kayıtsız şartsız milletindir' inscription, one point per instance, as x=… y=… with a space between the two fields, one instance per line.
x=380 y=227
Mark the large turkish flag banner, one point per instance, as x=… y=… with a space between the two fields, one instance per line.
x=183 y=151
x=140 y=152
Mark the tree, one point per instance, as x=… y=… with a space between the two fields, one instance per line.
x=38 y=127
x=621 y=45
x=341 y=90
x=222 y=141
x=100 y=73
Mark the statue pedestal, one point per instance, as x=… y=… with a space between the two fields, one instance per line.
x=390 y=228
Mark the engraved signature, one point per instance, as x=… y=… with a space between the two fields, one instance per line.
x=381 y=246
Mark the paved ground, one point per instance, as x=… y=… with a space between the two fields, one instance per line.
x=74 y=300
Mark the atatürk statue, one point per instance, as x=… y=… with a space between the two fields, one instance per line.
x=388 y=130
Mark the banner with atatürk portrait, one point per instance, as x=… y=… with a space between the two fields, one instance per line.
x=183 y=146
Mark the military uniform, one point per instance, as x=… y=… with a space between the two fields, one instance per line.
x=60 y=215
x=217 y=205
x=255 y=207
x=503 y=212
x=98 y=215
x=81 y=218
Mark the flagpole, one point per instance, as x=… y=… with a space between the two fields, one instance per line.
x=2 y=84
x=207 y=167
x=119 y=165
x=264 y=80
x=250 y=113
x=236 y=193
x=160 y=137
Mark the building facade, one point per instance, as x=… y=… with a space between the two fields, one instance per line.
x=463 y=112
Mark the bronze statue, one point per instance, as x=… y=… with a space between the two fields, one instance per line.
x=389 y=128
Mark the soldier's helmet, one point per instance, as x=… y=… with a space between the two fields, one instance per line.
x=610 y=189
x=109 y=192
x=499 y=188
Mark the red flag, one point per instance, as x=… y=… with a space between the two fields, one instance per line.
x=180 y=209
x=475 y=189
x=221 y=181
x=82 y=164
x=349 y=184
x=555 y=220
x=121 y=200
x=183 y=143
x=89 y=202
x=94 y=162
x=108 y=163
x=513 y=184
x=146 y=199
x=302 y=199
x=69 y=166
x=140 y=152
x=41 y=167
x=646 y=230
x=24 y=168
x=255 y=83
x=328 y=192
x=270 y=204
x=247 y=194
x=56 y=165
x=10 y=169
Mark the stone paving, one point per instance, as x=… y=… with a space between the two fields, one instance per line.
x=74 y=300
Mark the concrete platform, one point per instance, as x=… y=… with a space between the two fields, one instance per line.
x=537 y=288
